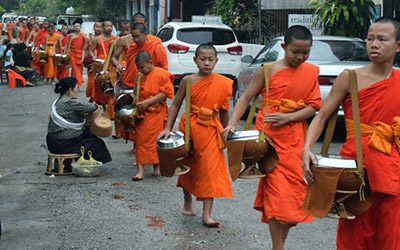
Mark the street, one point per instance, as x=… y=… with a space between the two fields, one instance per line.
x=111 y=211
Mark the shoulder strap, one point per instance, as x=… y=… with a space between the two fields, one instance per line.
x=249 y=120
x=330 y=129
x=356 y=118
x=110 y=51
x=103 y=47
x=187 y=111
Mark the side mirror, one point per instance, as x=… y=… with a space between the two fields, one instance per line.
x=247 y=59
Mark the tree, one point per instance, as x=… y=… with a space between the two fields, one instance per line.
x=344 y=17
x=242 y=16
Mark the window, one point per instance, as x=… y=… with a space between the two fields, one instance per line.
x=270 y=52
x=335 y=51
x=165 y=34
x=206 y=35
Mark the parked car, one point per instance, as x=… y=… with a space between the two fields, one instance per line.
x=332 y=54
x=181 y=39
x=70 y=19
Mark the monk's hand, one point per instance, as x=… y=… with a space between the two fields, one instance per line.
x=278 y=119
x=164 y=134
x=143 y=105
x=227 y=131
x=308 y=157
x=121 y=68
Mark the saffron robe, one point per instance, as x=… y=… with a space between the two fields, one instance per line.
x=281 y=193
x=40 y=40
x=63 y=70
x=1 y=31
x=102 y=49
x=75 y=53
x=157 y=52
x=379 y=227
x=50 y=70
x=10 y=28
x=146 y=131
x=23 y=34
x=208 y=176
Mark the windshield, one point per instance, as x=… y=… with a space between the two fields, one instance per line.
x=321 y=50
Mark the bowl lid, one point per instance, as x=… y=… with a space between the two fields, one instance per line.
x=175 y=139
x=245 y=135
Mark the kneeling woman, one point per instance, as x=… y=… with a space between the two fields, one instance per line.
x=66 y=131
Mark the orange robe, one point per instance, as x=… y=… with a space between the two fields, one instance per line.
x=379 y=227
x=50 y=69
x=63 y=70
x=75 y=54
x=146 y=131
x=281 y=193
x=10 y=28
x=1 y=31
x=23 y=34
x=157 y=52
x=102 y=49
x=40 y=40
x=208 y=176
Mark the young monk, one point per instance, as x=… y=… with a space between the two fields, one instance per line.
x=156 y=86
x=39 y=44
x=208 y=177
x=378 y=88
x=23 y=32
x=77 y=47
x=102 y=45
x=10 y=29
x=125 y=28
x=33 y=35
x=141 y=42
x=97 y=30
x=61 y=48
x=293 y=97
x=49 y=45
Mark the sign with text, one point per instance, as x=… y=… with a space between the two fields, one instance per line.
x=207 y=19
x=307 y=21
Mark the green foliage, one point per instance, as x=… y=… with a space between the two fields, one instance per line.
x=51 y=8
x=242 y=16
x=344 y=17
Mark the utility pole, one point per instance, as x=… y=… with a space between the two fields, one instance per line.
x=259 y=22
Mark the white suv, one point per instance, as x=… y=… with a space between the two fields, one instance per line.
x=181 y=39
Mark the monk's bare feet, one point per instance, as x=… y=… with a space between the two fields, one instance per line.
x=188 y=211
x=209 y=222
x=156 y=170
x=139 y=174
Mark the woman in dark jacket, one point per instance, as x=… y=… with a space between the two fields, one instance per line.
x=66 y=131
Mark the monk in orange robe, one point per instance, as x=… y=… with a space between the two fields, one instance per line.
x=378 y=88
x=293 y=96
x=62 y=42
x=208 y=177
x=156 y=86
x=1 y=31
x=40 y=40
x=50 y=43
x=102 y=45
x=142 y=42
x=23 y=32
x=97 y=30
x=77 y=47
x=33 y=35
x=10 y=29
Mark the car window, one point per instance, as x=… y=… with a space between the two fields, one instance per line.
x=335 y=51
x=206 y=35
x=165 y=34
x=270 y=53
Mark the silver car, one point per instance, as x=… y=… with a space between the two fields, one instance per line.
x=332 y=54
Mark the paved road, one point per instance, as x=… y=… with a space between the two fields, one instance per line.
x=39 y=212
